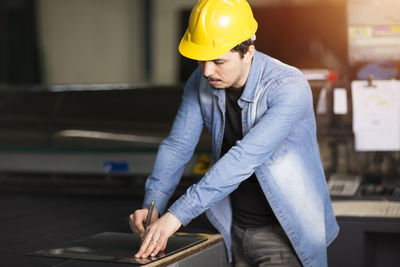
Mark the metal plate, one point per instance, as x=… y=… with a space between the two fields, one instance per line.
x=117 y=248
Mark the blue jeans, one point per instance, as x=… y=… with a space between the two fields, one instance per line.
x=262 y=246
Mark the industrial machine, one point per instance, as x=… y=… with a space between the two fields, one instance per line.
x=77 y=135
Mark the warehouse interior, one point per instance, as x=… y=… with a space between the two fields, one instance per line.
x=90 y=88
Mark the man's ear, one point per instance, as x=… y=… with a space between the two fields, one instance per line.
x=249 y=54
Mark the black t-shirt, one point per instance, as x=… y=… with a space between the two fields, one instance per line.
x=249 y=205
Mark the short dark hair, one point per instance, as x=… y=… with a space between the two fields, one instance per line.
x=243 y=47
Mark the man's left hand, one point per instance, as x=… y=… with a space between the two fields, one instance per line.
x=157 y=235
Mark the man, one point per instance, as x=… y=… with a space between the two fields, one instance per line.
x=266 y=191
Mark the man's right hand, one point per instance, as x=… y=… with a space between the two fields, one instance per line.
x=138 y=219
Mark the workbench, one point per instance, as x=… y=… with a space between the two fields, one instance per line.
x=209 y=253
x=31 y=222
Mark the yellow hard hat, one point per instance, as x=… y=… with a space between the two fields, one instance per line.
x=215 y=27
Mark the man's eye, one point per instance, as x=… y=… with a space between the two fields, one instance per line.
x=218 y=62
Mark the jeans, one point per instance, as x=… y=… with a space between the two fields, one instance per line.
x=262 y=246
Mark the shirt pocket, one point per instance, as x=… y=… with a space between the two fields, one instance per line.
x=207 y=113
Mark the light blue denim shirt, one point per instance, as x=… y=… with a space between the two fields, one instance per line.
x=279 y=145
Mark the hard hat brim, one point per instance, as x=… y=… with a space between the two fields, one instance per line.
x=202 y=53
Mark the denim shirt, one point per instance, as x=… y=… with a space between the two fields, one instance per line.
x=279 y=145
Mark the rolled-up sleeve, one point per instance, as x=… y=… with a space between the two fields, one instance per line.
x=177 y=149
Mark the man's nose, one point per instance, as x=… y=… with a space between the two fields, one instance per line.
x=208 y=68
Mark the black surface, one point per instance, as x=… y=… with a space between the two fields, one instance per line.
x=117 y=248
x=32 y=221
x=19 y=46
x=366 y=242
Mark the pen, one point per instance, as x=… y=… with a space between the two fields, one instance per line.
x=148 y=219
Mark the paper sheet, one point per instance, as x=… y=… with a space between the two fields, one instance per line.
x=376 y=115
x=322 y=106
x=339 y=101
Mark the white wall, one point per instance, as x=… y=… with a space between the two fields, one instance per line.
x=165 y=36
x=91 y=41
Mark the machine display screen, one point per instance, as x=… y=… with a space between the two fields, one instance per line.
x=373 y=31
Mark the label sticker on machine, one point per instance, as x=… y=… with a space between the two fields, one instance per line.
x=115 y=166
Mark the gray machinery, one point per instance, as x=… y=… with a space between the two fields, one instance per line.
x=72 y=132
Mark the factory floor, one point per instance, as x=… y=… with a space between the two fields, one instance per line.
x=31 y=221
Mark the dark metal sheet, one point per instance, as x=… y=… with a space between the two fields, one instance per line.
x=117 y=247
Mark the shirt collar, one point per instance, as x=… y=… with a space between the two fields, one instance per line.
x=254 y=78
